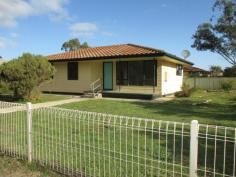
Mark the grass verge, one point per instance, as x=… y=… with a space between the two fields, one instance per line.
x=10 y=167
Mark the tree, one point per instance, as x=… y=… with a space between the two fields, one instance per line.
x=216 y=70
x=73 y=44
x=25 y=74
x=219 y=35
x=230 y=71
x=84 y=45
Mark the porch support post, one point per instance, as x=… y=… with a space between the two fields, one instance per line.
x=118 y=73
x=154 y=73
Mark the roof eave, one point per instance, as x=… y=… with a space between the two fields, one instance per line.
x=177 y=58
x=124 y=56
x=106 y=57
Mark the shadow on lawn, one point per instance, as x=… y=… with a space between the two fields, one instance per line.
x=9 y=98
x=187 y=108
x=233 y=100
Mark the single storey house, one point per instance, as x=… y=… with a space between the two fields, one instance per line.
x=117 y=71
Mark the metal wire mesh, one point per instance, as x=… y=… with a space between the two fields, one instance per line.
x=217 y=151
x=13 y=129
x=79 y=143
x=93 y=144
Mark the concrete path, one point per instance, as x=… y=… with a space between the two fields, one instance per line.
x=21 y=107
x=57 y=103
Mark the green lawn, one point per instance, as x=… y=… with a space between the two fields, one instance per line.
x=221 y=109
x=101 y=146
x=50 y=97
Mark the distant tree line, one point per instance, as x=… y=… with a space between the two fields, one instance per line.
x=216 y=71
x=230 y=71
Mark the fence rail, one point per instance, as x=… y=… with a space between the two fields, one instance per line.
x=208 y=83
x=80 y=143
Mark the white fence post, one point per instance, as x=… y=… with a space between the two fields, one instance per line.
x=29 y=131
x=193 y=148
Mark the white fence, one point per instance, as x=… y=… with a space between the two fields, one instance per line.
x=208 y=83
x=79 y=143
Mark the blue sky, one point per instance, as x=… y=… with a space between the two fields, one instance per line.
x=40 y=27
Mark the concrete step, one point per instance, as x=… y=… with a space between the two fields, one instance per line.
x=91 y=95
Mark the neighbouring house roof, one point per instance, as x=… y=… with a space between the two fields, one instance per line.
x=194 y=69
x=113 y=51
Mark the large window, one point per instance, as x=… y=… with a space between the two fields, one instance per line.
x=139 y=73
x=72 y=71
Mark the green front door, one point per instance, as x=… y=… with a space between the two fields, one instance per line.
x=107 y=76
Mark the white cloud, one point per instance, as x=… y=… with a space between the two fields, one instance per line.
x=12 y=10
x=83 y=29
x=107 y=34
x=55 y=8
x=4 y=43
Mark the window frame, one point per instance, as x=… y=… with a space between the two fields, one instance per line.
x=70 y=73
x=179 y=70
x=126 y=82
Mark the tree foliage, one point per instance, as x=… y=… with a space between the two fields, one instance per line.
x=84 y=45
x=216 y=70
x=24 y=74
x=219 y=35
x=73 y=44
x=230 y=71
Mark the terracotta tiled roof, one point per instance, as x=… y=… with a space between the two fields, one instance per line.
x=113 y=51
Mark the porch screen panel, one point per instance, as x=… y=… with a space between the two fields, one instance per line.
x=122 y=73
x=150 y=73
x=136 y=73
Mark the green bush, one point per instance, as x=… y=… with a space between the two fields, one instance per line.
x=227 y=85
x=4 y=89
x=186 y=91
x=25 y=74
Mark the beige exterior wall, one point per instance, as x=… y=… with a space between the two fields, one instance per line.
x=171 y=82
x=89 y=71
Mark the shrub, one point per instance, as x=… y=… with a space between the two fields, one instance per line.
x=185 y=92
x=227 y=85
x=25 y=74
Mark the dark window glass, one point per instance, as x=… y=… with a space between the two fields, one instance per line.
x=72 y=70
x=52 y=77
x=138 y=73
x=135 y=73
x=150 y=73
x=179 y=70
x=122 y=73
